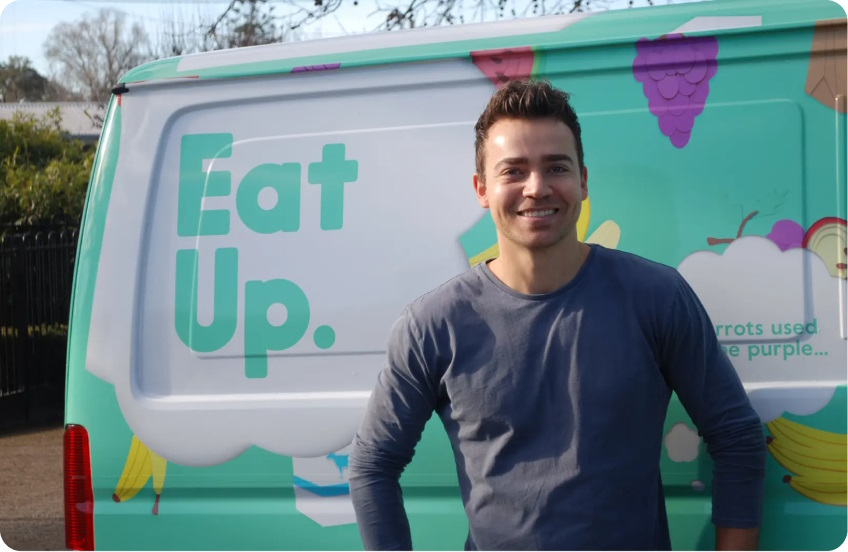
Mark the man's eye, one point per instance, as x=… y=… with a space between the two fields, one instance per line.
x=559 y=169
x=512 y=172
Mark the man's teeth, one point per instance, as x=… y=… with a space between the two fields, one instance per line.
x=537 y=213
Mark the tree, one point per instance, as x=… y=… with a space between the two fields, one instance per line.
x=19 y=81
x=181 y=35
x=250 y=25
x=58 y=93
x=246 y=23
x=403 y=14
x=91 y=54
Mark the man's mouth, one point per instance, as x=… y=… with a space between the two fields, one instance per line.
x=535 y=213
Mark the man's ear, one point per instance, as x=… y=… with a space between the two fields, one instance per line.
x=480 y=190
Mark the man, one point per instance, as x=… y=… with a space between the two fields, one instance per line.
x=551 y=368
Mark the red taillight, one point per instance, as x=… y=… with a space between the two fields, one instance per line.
x=79 y=497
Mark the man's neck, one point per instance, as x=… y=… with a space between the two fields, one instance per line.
x=539 y=271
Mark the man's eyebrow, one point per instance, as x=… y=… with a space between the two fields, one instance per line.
x=523 y=160
x=511 y=161
x=558 y=157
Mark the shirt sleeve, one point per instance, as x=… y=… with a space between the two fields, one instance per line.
x=699 y=371
x=400 y=405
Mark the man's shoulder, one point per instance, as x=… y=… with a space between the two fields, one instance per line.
x=640 y=268
x=442 y=302
x=640 y=274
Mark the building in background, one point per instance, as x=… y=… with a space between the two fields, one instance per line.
x=80 y=120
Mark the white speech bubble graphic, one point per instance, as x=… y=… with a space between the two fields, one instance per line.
x=780 y=316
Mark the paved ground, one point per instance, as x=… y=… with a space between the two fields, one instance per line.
x=31 y=496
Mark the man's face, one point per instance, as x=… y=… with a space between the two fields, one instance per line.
x=532 y=185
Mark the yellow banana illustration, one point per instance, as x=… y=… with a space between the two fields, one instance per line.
x=810 y=448
x=800 y=465
x=489 y=253
x=159 y=465
x=817 y=458
x=607 y=235
x=137 y=471
x=807 y=435
x=140 y=465
x=834 y=495
x=803 y=465
x=832 y=482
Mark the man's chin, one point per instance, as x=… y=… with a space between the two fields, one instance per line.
x=539 y=244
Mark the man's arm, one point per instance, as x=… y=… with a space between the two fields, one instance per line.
x=711 y=392
x=728 y=538
x=400 y=406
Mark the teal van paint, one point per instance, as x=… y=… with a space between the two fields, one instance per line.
x=230 y=313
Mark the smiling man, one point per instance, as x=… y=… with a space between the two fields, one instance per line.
x=551 y=368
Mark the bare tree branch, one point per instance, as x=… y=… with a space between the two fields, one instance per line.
x=89 y=56
x=407 y=14
x=221 y=17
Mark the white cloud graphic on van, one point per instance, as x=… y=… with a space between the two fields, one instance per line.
x=228 y=318
x=681 y=443
x=781 y=318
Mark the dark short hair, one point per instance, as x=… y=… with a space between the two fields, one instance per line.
x=525 y=99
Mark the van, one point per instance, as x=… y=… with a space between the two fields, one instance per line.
x=258 y=218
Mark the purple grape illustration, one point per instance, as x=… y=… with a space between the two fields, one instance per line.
x=675 y=72
x=787 y=234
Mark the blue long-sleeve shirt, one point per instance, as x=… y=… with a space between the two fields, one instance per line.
x=554 y=405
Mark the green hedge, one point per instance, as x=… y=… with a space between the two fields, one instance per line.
x=44 y=174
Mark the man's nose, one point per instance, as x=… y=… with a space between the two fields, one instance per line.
x=536 y=185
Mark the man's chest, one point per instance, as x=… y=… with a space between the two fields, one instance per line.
x=550 y=367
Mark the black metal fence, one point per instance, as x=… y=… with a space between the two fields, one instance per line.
x=36 y=270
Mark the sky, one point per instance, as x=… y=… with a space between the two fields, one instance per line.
x=25 y=24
